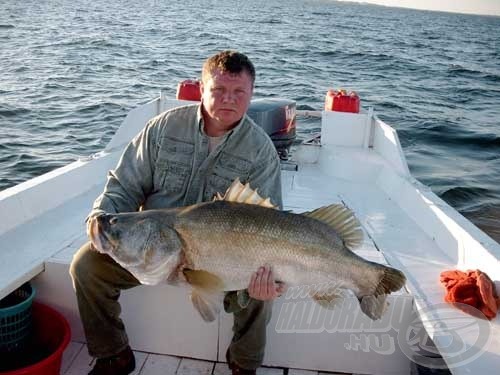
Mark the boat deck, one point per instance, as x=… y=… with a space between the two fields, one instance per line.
x=359 y=164
x=76 y=361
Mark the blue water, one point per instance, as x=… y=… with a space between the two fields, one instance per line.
x=70 y=71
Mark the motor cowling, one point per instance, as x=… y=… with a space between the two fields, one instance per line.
x=278 y=118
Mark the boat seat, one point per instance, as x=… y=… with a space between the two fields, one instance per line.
x=26 y=247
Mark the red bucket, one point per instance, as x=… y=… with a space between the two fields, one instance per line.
x=51 y=335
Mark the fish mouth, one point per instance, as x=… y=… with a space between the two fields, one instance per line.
x=99 y=239
x=105 y=245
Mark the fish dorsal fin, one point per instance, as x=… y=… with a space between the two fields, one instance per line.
x=342 y=220
x=240 y=193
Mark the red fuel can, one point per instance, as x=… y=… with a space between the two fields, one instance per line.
x=189 y=90
x=342 y=101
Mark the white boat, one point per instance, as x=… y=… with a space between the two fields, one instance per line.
x=359 y=162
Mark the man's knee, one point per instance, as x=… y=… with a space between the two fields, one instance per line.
x=90 y=268
x=84 y=262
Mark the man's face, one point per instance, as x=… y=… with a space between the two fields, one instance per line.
x=226 y=97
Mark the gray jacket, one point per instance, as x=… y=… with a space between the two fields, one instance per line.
x=168 y=164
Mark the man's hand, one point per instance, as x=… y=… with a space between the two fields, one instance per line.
x=263 y=287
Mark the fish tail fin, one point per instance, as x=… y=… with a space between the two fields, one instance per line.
x=392 y=280
x=374 y=306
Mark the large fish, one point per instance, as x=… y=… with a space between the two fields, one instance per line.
x=217 y=246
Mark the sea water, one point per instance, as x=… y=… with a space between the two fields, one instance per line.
x=71 y=70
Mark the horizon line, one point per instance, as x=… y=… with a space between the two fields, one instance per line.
x=420 y=9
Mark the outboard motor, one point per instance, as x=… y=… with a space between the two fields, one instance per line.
x=277 y=117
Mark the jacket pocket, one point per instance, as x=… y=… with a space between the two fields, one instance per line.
x=173 y=165
x=227 y=169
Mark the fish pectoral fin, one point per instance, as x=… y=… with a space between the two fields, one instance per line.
x=329 y=298
x=342 y=220
x=204 y=280
x=327 y=303
x=207 y=294
x=374 y=306
x=240 y=193
x=208 y=305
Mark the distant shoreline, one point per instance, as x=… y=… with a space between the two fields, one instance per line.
x=420 y=9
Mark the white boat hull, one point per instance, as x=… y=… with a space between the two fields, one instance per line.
x=360 y=164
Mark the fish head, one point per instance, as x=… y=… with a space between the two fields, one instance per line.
x=142 y=242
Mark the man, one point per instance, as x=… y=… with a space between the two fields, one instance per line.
x=182 y=157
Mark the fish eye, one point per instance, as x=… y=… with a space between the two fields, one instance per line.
x=113 y=220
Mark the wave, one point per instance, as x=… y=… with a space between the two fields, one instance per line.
x=82 y=42
x=305 y=107
x=457 y=70
x=492 y=77
x=99 y=65
x=431 y=34
x=104 y=43
x=8 y=111
x=327 y=53
x=466 y=198
x=390 y=105
x=486 y=216
x=57 y=86
x=464 y=141
x=479 y=92
x=97 y=108
x=323 y=14
x=271 y=21
x=451 y=133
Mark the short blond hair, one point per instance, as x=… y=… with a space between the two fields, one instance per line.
x=228 y=61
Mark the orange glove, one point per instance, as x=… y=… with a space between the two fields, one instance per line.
x=473 y=288
x=488 y=295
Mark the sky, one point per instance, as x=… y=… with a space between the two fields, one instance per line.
x=489 y=7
